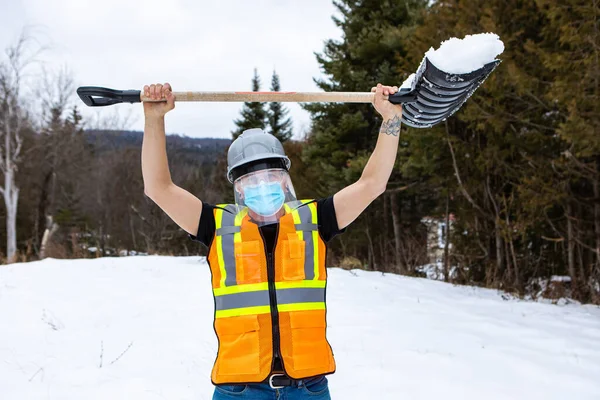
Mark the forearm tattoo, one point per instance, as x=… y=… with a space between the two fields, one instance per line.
x=391 y=126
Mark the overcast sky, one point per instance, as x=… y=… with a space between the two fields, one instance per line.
x=193 y=44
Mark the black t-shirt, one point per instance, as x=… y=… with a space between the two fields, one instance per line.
x=328 y=227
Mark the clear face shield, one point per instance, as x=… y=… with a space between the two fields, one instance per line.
x=264 y=193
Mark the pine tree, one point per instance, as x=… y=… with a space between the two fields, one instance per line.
x=376 y=39
x=518 y=196
x=571 y=50
x=280 y=125
x=253 y=114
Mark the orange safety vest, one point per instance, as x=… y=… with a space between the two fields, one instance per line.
x=269 y=303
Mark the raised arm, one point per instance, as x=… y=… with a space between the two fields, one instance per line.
x=351 y=201
x=183 y=207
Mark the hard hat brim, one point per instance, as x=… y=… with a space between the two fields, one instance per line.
x=257 y=157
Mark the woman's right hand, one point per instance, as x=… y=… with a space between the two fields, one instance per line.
x=158 y=92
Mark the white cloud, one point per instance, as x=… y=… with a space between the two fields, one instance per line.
x=194 y=45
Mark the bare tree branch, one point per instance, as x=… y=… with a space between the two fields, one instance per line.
x=457 y=174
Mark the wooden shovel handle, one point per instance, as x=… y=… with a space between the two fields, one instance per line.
x=96 y=96
x=294 y=97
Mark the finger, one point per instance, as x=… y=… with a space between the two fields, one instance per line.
x=152 y=90
x=146 y=90
x=379 y=92
x=167 y=86
x=159 y=91
x=170 y=99
x=375 y=89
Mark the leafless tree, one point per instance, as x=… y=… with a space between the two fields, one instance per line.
x=54 y=92
x=13 y=118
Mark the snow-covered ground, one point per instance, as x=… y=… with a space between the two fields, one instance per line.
x=141 y=328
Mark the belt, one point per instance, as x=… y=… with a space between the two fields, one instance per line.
x=279 y=380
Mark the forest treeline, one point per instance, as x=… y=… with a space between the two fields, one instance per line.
x=516 y=170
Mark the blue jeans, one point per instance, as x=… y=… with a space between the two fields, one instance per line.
x=312 y=388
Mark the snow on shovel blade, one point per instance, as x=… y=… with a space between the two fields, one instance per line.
x=440 y=94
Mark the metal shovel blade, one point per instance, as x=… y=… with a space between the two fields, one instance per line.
x=440 y=94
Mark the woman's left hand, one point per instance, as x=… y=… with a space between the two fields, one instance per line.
x=381 y=103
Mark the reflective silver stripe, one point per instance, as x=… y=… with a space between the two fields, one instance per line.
x=242 y=300
x=228 y=247
x=231 y=208
x=300 y=295
x=261 y=298
x=227 y=230
x=307 y=227
x=309 y=260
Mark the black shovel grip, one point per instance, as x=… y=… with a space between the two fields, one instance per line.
x=95 y=96
x=402 y=96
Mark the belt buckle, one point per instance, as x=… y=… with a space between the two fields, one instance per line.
x=271 y=381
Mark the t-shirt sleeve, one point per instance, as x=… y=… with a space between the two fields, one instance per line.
x=328 y=227
x=206 y=226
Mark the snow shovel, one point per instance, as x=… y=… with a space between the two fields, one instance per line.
x=438 y=94
x=432 y=97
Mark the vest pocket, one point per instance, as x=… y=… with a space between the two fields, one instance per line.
x=310 y=349
x=293 y=258
x=238 y=345
x=248 y=262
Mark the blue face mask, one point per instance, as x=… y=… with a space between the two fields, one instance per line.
x=264 y=199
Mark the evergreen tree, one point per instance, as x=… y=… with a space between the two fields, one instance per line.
x=518 y=166
x=497 y=146
x=525 y=146
x=280 y=125
x=376 y=38
x=571 y=51
x=253 y=113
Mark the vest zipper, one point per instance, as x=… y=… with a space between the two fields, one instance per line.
x=273 y=300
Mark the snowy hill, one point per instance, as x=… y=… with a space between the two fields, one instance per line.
x=141 y=328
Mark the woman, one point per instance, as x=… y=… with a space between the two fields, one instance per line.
x=267 y=253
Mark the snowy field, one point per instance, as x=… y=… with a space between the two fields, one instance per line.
x=141 y=328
